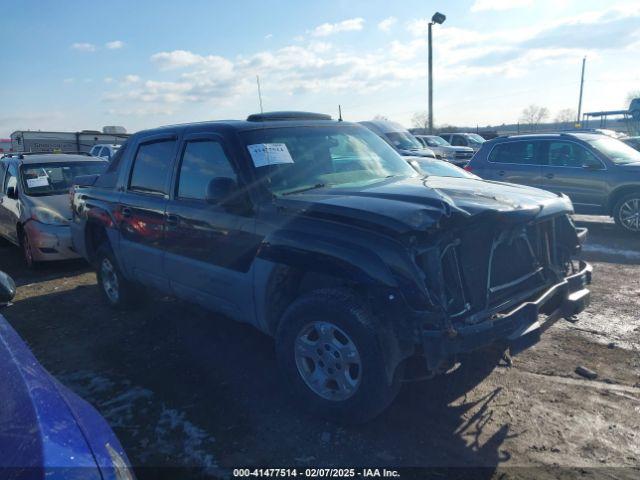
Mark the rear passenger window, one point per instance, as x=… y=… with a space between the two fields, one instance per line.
x=202 y=161
x=151 y=167
x=523 y=153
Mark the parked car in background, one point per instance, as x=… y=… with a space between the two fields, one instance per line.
x=104 y=151
x=471 y=140
x=438 y=168
x=599 y=173
x=46 y=430
x=318 y=233
x=633 y=142
x=402 y=141
x=34 y=202
x=445 y=151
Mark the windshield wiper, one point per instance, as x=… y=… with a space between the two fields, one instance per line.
x=306 y=189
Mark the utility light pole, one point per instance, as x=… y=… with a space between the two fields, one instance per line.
x=581 y=86
x=438 y=18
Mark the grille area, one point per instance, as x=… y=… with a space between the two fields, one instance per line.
x=490 y=265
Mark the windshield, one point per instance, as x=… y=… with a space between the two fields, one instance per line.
x=403 y=141
x=436 y=141
x=298 y=158
x=475 y=138
x=615 y=150
x=439 y=168
x=56 y=178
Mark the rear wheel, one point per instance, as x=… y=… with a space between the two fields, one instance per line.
x=116 y=289
x=329 y=352
x=626 y=212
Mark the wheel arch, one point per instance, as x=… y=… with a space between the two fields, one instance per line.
x=618 y=193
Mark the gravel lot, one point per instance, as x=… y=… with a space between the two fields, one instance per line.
x=182 y=387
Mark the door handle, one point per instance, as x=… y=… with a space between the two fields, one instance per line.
x=126 y=212
x=549 y=175
x=501 y=173
x=171 y=220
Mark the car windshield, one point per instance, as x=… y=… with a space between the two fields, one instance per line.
x=436 y=141
x=404 y=141
x=475 y=138
x=56 y=178
x=615 y=150
x=293 y=159
x=439 y=168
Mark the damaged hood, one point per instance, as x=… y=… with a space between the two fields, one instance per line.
x=409 y=204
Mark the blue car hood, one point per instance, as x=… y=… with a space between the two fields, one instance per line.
x=405 y=204
x=45 y=429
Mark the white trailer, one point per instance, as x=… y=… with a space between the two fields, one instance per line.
x=51 y=142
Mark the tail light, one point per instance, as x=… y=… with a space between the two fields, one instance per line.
x=468 y=168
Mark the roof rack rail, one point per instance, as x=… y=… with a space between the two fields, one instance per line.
x=283 y=116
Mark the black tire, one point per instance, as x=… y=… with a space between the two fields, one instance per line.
x=124 y=294
x=27 y=252
x=617 y=212
x=373 y=392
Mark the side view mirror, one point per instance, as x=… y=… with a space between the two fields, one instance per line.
x=7 y=289
x=12 y=193
x=222 y=191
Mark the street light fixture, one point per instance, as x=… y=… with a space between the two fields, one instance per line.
x=438 y=18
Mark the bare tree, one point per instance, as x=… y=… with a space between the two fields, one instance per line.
x=533 y=115
x=381 y=117
x=566 y=116
x=420 y=120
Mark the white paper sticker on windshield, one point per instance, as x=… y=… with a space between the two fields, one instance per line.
x=38 y=182
x=269 y=154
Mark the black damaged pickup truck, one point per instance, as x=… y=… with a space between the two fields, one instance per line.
x=319 y=234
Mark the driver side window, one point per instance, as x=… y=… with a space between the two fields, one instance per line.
x=202 y=161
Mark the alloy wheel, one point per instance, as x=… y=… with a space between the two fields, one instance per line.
x=109 y=280
x=629 y=214
x=328 y=361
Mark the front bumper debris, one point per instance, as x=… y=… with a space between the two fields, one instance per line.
x=566 y=298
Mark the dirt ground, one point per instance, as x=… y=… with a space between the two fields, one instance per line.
x=182 y=387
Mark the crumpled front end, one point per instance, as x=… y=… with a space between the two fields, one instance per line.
x=500 y=279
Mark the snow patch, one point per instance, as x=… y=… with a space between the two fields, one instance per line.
x=597 y=248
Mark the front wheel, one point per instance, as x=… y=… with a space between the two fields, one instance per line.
x=626 y=212
x=116 y=289
x=328 y=350
x=27 y=252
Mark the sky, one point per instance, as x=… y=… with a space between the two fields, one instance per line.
x=72 y=65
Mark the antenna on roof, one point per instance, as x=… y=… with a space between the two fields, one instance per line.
x=259 y=93
x=339 y=113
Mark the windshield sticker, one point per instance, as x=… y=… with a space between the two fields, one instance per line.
x=264 y=154
x=38 y=182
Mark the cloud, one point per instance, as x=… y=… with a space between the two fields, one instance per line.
x=485 y=5
x=129 y=79
x=114 y=45
x=318 y=67
x=326 y=29
x=84 y=47
x=268 y=36
x=69 y=80
x=386 y=24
